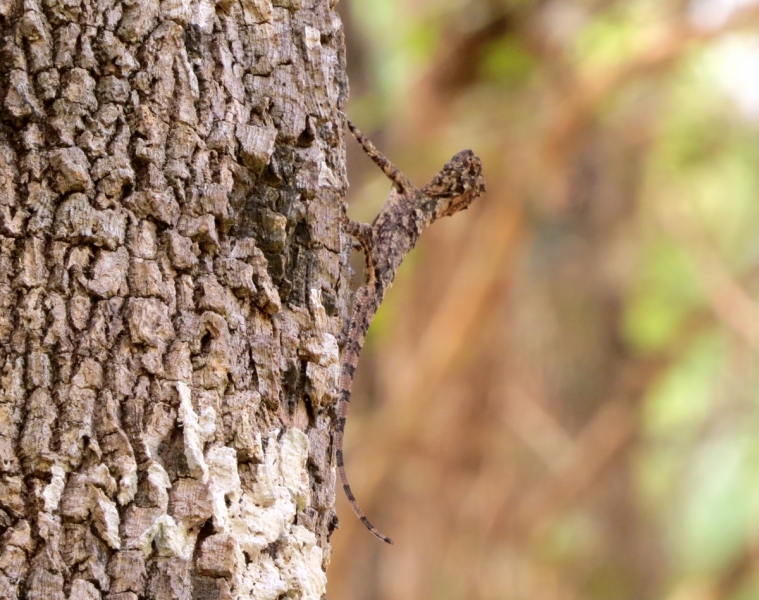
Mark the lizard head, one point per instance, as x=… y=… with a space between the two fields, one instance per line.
x=457 y=184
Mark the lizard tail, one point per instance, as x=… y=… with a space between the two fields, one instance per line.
x=392 y=172
x=354 y=504
x=365 y=306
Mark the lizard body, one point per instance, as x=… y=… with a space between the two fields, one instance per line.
x=407 y=212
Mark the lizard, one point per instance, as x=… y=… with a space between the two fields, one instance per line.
x=407 y=212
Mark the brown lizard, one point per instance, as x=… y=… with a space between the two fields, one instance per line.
x=407 y=211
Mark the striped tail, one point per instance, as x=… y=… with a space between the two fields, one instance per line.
x=364 y=309
x=354 y=504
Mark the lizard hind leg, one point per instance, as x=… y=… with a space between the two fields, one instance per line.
x=362 y=233
x=392 y=172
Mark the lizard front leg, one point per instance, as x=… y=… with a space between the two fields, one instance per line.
x=393 y=173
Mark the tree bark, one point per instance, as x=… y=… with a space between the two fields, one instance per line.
x=172 y=289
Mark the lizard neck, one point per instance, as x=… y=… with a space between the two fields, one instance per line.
x=397 y=229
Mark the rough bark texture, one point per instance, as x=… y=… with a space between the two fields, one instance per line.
x=172 y=289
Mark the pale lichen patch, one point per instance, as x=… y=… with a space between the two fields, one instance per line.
x=312 y=37
x=300 y=564
x=266 y=513
x=169 y=537
x=203 y=15
x=193 y=444
x=293 y=455
x=158 y=480
x=262 y=580
x=54 y=490
x=323 y=353
x=105 y=518
x=256 y=11
x=224 y=483
x=297 y=566
x=127 y=467
x=327 y=177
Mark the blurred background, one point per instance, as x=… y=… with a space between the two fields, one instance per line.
x=560 y=396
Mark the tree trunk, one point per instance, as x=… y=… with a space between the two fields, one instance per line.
x=172 y=289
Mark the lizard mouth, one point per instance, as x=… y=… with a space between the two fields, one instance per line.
x=463 y=201
x=460 y=203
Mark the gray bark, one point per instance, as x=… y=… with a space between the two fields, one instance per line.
x=172 y=289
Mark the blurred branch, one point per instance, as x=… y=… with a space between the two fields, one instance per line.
x=730 y=303
x=612 y=427
x=537 y=428
x=733 y=577
x=610 y=431
x=666 y=44
x=454 y=70
x=727 y=585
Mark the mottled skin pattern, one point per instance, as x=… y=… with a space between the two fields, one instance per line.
x=407 y=212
